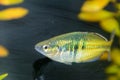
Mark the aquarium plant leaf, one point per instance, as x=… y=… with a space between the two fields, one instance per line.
x=115 y=55
x=95 y=16
x=112 y=69
x=94 y=5
x=118 y=6
x=2 y=76
x=13 y=13
x=112 y=77
x=10 y=2
x=110 y=24
x=3 y=51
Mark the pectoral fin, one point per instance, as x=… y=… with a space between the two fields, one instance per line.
x=68 y=63
x=106 y=56
x=93 y=60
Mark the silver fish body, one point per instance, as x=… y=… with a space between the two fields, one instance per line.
x=74 y=47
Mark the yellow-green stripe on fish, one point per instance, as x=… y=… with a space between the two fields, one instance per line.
x=75 y=47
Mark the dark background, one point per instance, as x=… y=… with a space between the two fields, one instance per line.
x=46 y=19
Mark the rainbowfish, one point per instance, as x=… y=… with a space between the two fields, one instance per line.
x=75 y=47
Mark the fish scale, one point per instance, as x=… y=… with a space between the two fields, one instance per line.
x=70 y=49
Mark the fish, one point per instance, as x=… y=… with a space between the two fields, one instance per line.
x=75 y=47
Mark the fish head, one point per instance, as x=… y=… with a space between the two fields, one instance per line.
x=48 y=48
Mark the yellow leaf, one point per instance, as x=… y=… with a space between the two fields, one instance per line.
x=115 y=56
x=3 y=76
x=95 y=16
x=118 y=6
x=112 y=69
x=118 y=73
x=94 y=5
x=112 y=77
x=13 y=13
x=3 y=51
x=10 y=2
x=110 y=24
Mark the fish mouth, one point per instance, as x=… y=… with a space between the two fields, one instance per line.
x=38 y=49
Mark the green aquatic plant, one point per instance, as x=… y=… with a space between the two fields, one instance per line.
x=2 y=76
x=10 y=2
x=94 y=11
x=3 y=53
x=14 y=12
x=10 y=14
x=113 y=70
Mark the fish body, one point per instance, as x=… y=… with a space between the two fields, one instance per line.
x=74 y=47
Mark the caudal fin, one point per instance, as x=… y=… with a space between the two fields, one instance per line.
x=112 y=36
x=111 y=41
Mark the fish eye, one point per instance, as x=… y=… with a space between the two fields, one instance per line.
x=45 y=47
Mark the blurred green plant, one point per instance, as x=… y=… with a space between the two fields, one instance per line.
x=113 y=70
x=12 y=13
x=94 y=11
x=10 y=2
x=3 y=53
x=2 y=76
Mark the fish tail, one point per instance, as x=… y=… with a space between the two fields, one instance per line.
x=111 y=41
x=112 y=36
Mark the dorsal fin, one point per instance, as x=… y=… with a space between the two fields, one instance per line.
x=101 y=36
